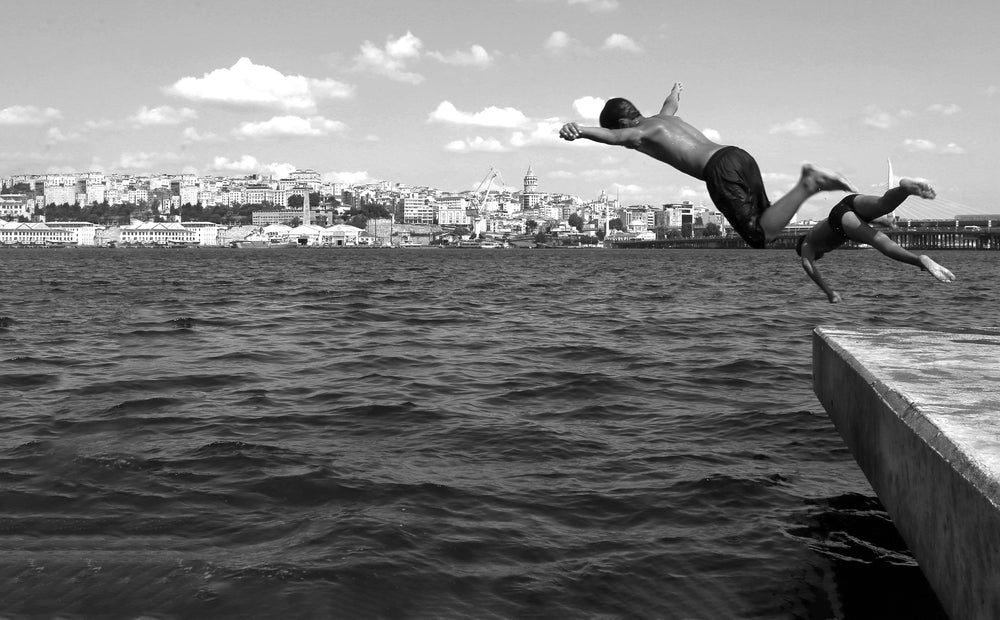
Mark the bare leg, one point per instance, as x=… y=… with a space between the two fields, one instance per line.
x=871 y=208
x=863 y=233
x=812 y=181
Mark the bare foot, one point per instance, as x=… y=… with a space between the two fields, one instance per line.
x=939 y=272
x=819 y=180
x=676 y=90
x=918 y=188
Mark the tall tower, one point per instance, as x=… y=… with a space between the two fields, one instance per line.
x=306 y=212
x=530 y=197
x=530 y=182
x=889 y=183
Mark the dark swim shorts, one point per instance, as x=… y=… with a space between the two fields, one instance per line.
x=734 y=183
x=837 y=214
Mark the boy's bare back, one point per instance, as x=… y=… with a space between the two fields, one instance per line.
x=676 y=143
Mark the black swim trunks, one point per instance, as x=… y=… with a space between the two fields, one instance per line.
x=736 y=188
x=837 y=214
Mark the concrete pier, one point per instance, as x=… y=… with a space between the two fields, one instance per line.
x=920 y=411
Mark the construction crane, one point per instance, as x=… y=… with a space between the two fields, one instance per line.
x=477 y=208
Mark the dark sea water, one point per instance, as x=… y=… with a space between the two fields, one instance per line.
x=215 y=433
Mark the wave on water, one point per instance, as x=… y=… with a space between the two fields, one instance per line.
x=443 y=434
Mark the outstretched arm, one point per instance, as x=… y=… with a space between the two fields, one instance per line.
x=673 y=101
x=627 y=137
x=809 y=264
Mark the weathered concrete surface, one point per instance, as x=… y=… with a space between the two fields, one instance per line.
x=920 y=411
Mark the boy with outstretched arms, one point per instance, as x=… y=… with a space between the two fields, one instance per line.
x=731 y=174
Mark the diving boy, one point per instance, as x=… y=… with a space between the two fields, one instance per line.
x=730 y=173
x=849 y=219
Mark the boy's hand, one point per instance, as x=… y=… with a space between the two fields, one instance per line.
x=570 y=132
x=835 y=297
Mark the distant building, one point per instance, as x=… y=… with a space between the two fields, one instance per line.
x=33 y=233
x=83 y=233
x=417 y=210
x=284 y=216
x=157 y=233
x=380 y=229
x=531 y=199
x=15 y=206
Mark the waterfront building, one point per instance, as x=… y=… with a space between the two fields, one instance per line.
x=207 y=233
x=635 y=219
x=157 y=233
x=341 y=235
x=276 y=234
x=380 y=229
x=83 y=233
x=33 y=233
x=305 y=234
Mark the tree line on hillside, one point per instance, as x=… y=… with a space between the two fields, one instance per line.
x=236 y=214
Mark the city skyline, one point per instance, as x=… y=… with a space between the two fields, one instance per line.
x=436 y=95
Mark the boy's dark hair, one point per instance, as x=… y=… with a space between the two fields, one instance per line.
x=615 y=110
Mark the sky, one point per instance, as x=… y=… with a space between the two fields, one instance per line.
x=437 y=93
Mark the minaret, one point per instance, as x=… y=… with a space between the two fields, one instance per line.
x=306 y=212
x=889 y=182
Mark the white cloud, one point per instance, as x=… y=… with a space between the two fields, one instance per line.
x=279 y=170
x=98 y=125
x=558 y=41
x=390 y=61
x=477 y=56
x=620 y=42
x=488 y=117
x=992 y=90
x=248 y=164
x=162 y=115
x=350 y=178
x=627 y=189
x=55 y=136
x=945 y=110
x=800 y=127
x=545 y=132
x=258 y=85
x=190 y=135
x=691 y=194
x=289 y=126
x=589 y=107
x=596 y=6
x=141 y=160
x=28 y=115
x=712 y=134
x=920 y=145
x=488 y=145
x=880 y=119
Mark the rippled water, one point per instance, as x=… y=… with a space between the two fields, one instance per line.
x=453 y=433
